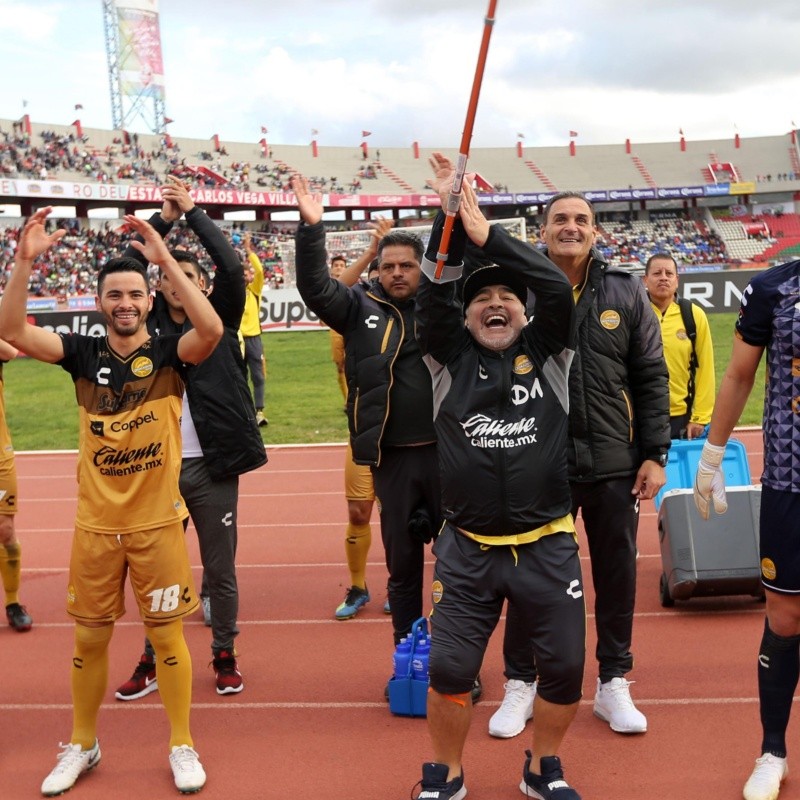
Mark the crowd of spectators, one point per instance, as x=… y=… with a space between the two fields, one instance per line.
x=65 y=156
x=622 y=242
x=70 y=267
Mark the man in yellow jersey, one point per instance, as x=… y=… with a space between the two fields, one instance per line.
x=250 y=328
x=10 y=551
x=689 y=353
x=129 y=389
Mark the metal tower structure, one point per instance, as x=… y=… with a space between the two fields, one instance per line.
x=133 y=55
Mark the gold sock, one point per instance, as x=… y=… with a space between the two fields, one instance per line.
x=174 y=674
x=356 y=547
x=10 y=560
x=89 y=678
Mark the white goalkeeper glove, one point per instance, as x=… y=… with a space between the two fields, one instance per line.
x=709 y=481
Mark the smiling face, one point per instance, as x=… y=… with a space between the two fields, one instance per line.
x=124 y=302
x=569 y=232
x=495 y=317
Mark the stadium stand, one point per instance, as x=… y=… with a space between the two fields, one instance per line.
x=104 y=155
x=695 y=234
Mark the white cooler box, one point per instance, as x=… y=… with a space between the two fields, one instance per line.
x=718 y=556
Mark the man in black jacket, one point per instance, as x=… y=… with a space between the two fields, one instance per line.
x=618 y=443
x=501 y=409
x=220 y=436
x=389 y=402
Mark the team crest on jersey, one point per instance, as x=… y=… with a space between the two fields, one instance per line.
x=142 y=367
x=96 y=427
x=768 y=569
x=610 y=320
x=681 y=334
x=437 y=590
x=796 y=367
x=522 y=365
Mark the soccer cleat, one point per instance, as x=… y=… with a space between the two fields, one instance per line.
x=435 y=786
x=142 y=682
x=765 y=781
x=261 y=420
x=190 y=777
x=550 y=784
x=205 y=602
x=353 y=602
x=613 y=704
x=515 y=710
x=71 y=763
x=229 y=679
x=18 y=617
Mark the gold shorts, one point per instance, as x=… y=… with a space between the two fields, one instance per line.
x=357 y=479
x=337 y=350
x=160 y=574
x=8 y=486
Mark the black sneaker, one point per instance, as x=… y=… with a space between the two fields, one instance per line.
x=477 y=690
x=18 y=617
x=550 y=785
x=435 y=786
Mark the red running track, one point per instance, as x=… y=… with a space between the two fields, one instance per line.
x=312 y=721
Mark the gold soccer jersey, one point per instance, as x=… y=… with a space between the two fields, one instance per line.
x=130 y=439
x=6 y=449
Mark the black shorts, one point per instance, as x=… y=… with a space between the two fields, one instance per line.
x=779 y=538
x=542 y=579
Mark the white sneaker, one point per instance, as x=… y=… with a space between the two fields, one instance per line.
x=613 y=704
x=765 y=782
x=72 y=762
x=515 y=710
x=186 y=769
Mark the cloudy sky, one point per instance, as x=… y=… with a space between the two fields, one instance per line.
x=403 y=69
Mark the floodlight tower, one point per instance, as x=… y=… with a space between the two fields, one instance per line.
x=135 y=65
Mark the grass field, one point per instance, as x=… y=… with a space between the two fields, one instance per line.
x=303 y=402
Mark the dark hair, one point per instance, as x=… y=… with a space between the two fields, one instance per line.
x=563 y=196
x=656 y=256
x=122 y=264
x=374 y=266
x=338 y=258
x=185 y=257
x=402 y=239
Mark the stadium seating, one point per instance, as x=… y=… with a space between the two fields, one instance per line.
x=103 y=155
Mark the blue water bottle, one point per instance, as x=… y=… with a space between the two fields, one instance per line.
x=402 y=657
x=419 y=662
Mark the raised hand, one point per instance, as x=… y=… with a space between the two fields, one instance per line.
x=379 y=228
x=444 y=171
x=153 y=248
x=475 y=224
x=176 y=193
x=310 y=209
x=34 y=239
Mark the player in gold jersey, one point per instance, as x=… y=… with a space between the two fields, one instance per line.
x=10 y=550
x=130 y=515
